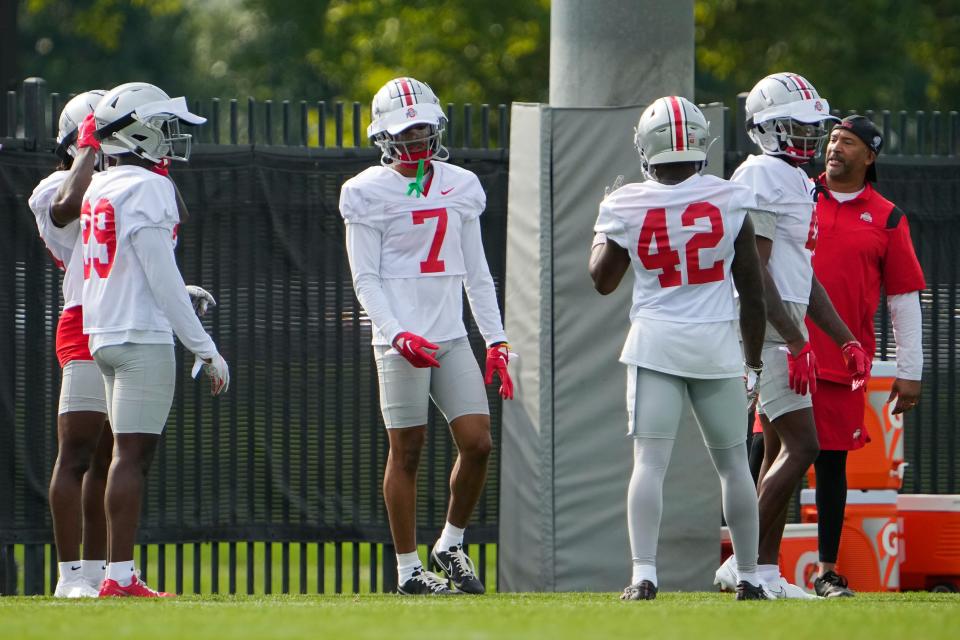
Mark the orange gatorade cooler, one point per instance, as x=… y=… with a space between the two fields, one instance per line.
x=870 y=542
x=879 y=465
x=798 y=553
x=930 y=542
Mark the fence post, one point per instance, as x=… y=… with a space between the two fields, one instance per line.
x=33 y=112
x=389 y=568
x=33 y=570
x=8 y=571
x=742 y=142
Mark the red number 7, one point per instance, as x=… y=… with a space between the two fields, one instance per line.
x=433 y=264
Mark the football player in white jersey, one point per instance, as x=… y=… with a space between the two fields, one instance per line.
x=134 y=299
x=787 y=119
x=689 y=241
x=414 y=245
x=83 y=443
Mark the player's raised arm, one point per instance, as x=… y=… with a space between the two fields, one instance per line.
x=78 y=150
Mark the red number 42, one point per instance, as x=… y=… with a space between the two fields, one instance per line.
x=655 y=252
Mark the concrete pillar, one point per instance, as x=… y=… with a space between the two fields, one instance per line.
x=612 y=53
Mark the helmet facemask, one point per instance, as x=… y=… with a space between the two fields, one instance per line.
x=155 y=138
x=798 y=141
x=404 y=148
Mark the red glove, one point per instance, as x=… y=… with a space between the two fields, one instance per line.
x=857 y=361
x=162 y=167
x=416 y=350
x=497 y=357
x=86 y=133
x=802 y=370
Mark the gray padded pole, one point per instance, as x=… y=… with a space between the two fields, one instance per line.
x=611 y=53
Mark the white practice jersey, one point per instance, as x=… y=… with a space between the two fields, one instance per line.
x=787 y=192
x=681 y=244
x=412 y=257
x=125 y=299
x=63 y=243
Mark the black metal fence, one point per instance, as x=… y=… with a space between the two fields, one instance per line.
x=275 y=488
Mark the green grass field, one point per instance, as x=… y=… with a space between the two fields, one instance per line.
x=553 y=616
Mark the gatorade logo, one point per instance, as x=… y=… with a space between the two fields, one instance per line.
x=884 y=537
x=806 y=570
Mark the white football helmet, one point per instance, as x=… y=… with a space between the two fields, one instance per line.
x=142 y=119
x=70 y=118
x=672 y=129
x=400 y=104
x=787 y=117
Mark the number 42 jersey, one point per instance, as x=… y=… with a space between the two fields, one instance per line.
x=412 y=257
x=681 y=243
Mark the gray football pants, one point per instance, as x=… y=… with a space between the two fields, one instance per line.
x=720 y=408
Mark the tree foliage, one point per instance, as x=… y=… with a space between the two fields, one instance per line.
x=860 y=53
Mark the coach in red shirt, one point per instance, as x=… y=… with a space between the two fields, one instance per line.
x=863 y=247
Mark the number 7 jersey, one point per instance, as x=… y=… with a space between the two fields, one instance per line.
x=411 y=257
x=680 y=239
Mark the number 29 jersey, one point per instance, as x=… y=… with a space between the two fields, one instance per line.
x=680 y=239
x=117 y=300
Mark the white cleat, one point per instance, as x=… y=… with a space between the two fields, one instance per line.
x=726 y=576
x=74 y=589
x=783 y=590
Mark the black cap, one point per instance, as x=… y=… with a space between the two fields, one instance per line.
x=864 y=129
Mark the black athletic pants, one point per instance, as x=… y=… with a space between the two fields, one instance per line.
x=831 y=468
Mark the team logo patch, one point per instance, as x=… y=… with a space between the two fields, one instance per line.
x=818 y=105
x=411 y=113
x=691 y=139
x=866 y=217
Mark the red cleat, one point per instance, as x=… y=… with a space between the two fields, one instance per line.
x=136 y=589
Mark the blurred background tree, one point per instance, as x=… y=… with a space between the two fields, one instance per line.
x=860 y=53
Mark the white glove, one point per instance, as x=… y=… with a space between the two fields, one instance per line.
x=216 y=369
x=751 y=380
x=200 y=299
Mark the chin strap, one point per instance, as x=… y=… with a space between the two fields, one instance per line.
x=416 y=187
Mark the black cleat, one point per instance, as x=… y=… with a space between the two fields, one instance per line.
x=746 y=591
x=832 y=585
x=458 y=566
x=424 y=583
x=643 y=590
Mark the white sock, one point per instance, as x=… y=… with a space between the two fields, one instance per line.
x=93 y=570
x=69 y=571
x=769 y=573
x=122 y=572
x=407 y=564
x=451 y=536
x=749 y=576
x=643 y=572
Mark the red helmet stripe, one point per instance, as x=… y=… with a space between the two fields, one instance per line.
x=407 y=93
x=802 y=85
x=679 y=123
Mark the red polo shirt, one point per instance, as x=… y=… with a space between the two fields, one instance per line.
x=863 y=245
